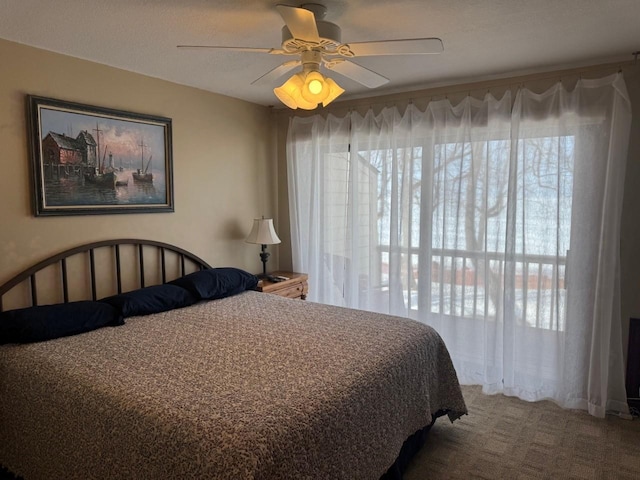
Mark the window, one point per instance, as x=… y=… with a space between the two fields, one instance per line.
x=468 y=212
x=495 y=222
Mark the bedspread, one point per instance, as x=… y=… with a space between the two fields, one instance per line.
x=253 y=386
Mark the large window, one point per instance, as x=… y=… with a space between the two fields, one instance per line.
x=467 y=211
x=495 y=221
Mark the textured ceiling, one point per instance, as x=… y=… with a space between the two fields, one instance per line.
x=482 y=38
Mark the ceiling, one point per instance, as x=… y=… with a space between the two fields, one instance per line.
x=482 y=38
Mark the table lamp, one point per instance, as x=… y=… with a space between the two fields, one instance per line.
x=263 y=234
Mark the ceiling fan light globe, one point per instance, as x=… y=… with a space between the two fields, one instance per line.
x=289 y=91
x=285 y=98
x=315 y=86
x=315 y=89
x=334 y=89
x=304 y=104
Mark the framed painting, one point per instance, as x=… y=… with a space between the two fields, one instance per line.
x=88 y=160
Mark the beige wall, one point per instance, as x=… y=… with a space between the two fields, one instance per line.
x=223 y=161
x=630 y=234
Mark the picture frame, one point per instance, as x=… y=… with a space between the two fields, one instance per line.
x=91 y=160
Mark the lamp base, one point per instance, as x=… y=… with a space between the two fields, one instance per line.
x=264 y=256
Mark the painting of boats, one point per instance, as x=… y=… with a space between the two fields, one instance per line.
x=84 y=158
x=101 y=175
x=106 y=180
x=143 y=175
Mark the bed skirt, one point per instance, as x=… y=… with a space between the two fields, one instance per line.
x=410 y=448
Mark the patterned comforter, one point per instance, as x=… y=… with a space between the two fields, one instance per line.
x=253 y=386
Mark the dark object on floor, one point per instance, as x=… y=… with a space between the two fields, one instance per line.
x=7 y=475
x=410 y=447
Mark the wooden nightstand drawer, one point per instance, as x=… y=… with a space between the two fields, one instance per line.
x=295 y=287
x=294 y=291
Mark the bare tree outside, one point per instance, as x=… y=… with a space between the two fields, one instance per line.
x=470 y=189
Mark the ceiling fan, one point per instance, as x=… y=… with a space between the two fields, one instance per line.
x=315 y=42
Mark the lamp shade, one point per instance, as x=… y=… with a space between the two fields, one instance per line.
x=289 y=92
x=307 y=90
x=314 y=89
x=335 y=91
x=263 y=232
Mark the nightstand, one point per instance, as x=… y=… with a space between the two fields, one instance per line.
x=295 y=287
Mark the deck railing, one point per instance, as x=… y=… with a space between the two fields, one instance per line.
x=472 y=284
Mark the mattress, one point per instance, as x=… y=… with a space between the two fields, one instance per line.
x=252 y=386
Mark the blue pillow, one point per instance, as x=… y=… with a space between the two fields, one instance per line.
x=144 y=301
x=217 y=282
x=45 y=322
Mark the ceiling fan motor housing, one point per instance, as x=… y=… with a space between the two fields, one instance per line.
x=311 y=60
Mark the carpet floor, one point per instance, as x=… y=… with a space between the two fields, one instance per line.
x=507 y=438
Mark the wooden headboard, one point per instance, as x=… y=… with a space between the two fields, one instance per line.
x=99 y=269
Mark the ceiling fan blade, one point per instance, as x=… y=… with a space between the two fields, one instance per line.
x=237 y=49
x=277 y=72
x=300 y=22
x=362 y=75
x=413 y=46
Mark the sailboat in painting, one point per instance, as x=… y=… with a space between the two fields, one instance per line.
x=142 y=174
x=100 y=176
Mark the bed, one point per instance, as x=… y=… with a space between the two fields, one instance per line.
x=242 y=386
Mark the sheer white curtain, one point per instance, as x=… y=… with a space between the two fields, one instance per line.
x=496 y=221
